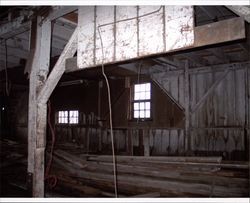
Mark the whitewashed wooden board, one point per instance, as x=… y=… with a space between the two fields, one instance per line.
x=129 y=32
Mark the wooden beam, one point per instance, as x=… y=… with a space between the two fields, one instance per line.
x=243 y=11
x=219 y=32
x=41 y=117
x=158 y=83
x=209 y=91
x=198 y=60
x=60 y=11
x=32 y=48
x=14 y=51
x=38 y=111
x=219 y=54
x=32 y=97
x=58 y=69
x=187 y=107
x=210 y=69
x=14 y=27
x=210 y=12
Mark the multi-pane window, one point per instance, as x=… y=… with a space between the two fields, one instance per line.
x=142 y=101
x=63 y=117
x=71 y=117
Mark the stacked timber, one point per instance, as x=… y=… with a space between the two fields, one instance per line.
x=139 y=176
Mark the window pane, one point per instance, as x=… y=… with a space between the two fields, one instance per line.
x=142 y=114
x=137 y=96
x=147 y=114
x=136 y=114
x=136 y=106
x=141 y=105
x=73 y=119
x=142 y=95
x=137 y=88
x=147 y=96
x=143 y=87
x=147 y=105
x=148 y=87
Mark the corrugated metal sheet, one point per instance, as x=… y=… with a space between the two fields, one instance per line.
x=131 y=32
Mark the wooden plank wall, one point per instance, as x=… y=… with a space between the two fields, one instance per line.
x=162 y=141
x=220 y=124
x=219 y=127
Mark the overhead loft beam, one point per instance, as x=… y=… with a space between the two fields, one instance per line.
x=210 y=34
x=14 y=51
x=210 y=12
x=14 y=27
x=242 y=11
x=219 y=32
x=60 y=11
x=219 y=54
x=198 y=60
x=209 y=69
x=59 y=68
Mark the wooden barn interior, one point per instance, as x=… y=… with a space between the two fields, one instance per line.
x=125 y=101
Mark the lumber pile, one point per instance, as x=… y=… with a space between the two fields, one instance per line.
x=139 y=176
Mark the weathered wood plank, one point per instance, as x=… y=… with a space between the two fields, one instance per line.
x=211 y=89
x=146 y=142
x=187 y=106
x=218 y=32
x=58 y=69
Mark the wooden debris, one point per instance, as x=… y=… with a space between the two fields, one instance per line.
x=164 y=176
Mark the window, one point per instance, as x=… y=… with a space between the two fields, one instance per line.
x=63 y=117
x=142 y=101
x=71 y=117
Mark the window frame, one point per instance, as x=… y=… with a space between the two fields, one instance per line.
x=133 y=101
x=67 y=118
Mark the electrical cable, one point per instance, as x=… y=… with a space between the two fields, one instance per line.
x=52 y=179
x=110 y=116
x=128 y=19
x=108 y=89
x=6 y=68
x=138 y=81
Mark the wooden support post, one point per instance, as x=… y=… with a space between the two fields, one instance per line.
x=40 y=91
x=59 y=68
x=187 y=106
x=146 y=142
x=32 y=101
x=38 y=111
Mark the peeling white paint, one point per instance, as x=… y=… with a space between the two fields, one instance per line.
x=131 y=32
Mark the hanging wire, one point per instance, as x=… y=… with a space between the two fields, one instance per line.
x=138 y=81
x=110 y=115
x=108 y=89
x=6 y=68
